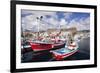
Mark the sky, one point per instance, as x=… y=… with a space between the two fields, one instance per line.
x=54 y=20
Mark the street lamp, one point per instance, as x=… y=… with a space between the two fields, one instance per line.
x=39 y=20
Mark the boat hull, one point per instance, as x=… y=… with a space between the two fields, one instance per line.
x=61 y=57
x=43 y=46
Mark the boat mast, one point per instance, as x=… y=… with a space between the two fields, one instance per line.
x=38 y=26
x=23 y=36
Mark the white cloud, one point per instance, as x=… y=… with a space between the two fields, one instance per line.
x=81 y=24
x=67 y=15
x=29 y=22
x=63 y=22
x=39 y=13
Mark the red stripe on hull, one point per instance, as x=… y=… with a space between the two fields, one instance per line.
x=60 y=57
x=37 y=46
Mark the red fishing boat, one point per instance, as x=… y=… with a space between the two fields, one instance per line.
x=40 y=46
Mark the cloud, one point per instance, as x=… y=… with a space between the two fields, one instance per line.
x=63 y=22
x=80 y=24
x=51 y=20
x=67 y=15
x=39 y=13
x=30 y=21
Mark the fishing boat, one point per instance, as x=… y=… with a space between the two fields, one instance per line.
x=42 y=44
x=65 y=52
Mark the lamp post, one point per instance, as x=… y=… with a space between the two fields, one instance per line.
x=39 y=21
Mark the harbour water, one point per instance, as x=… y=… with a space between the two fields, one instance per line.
x=82 y=54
